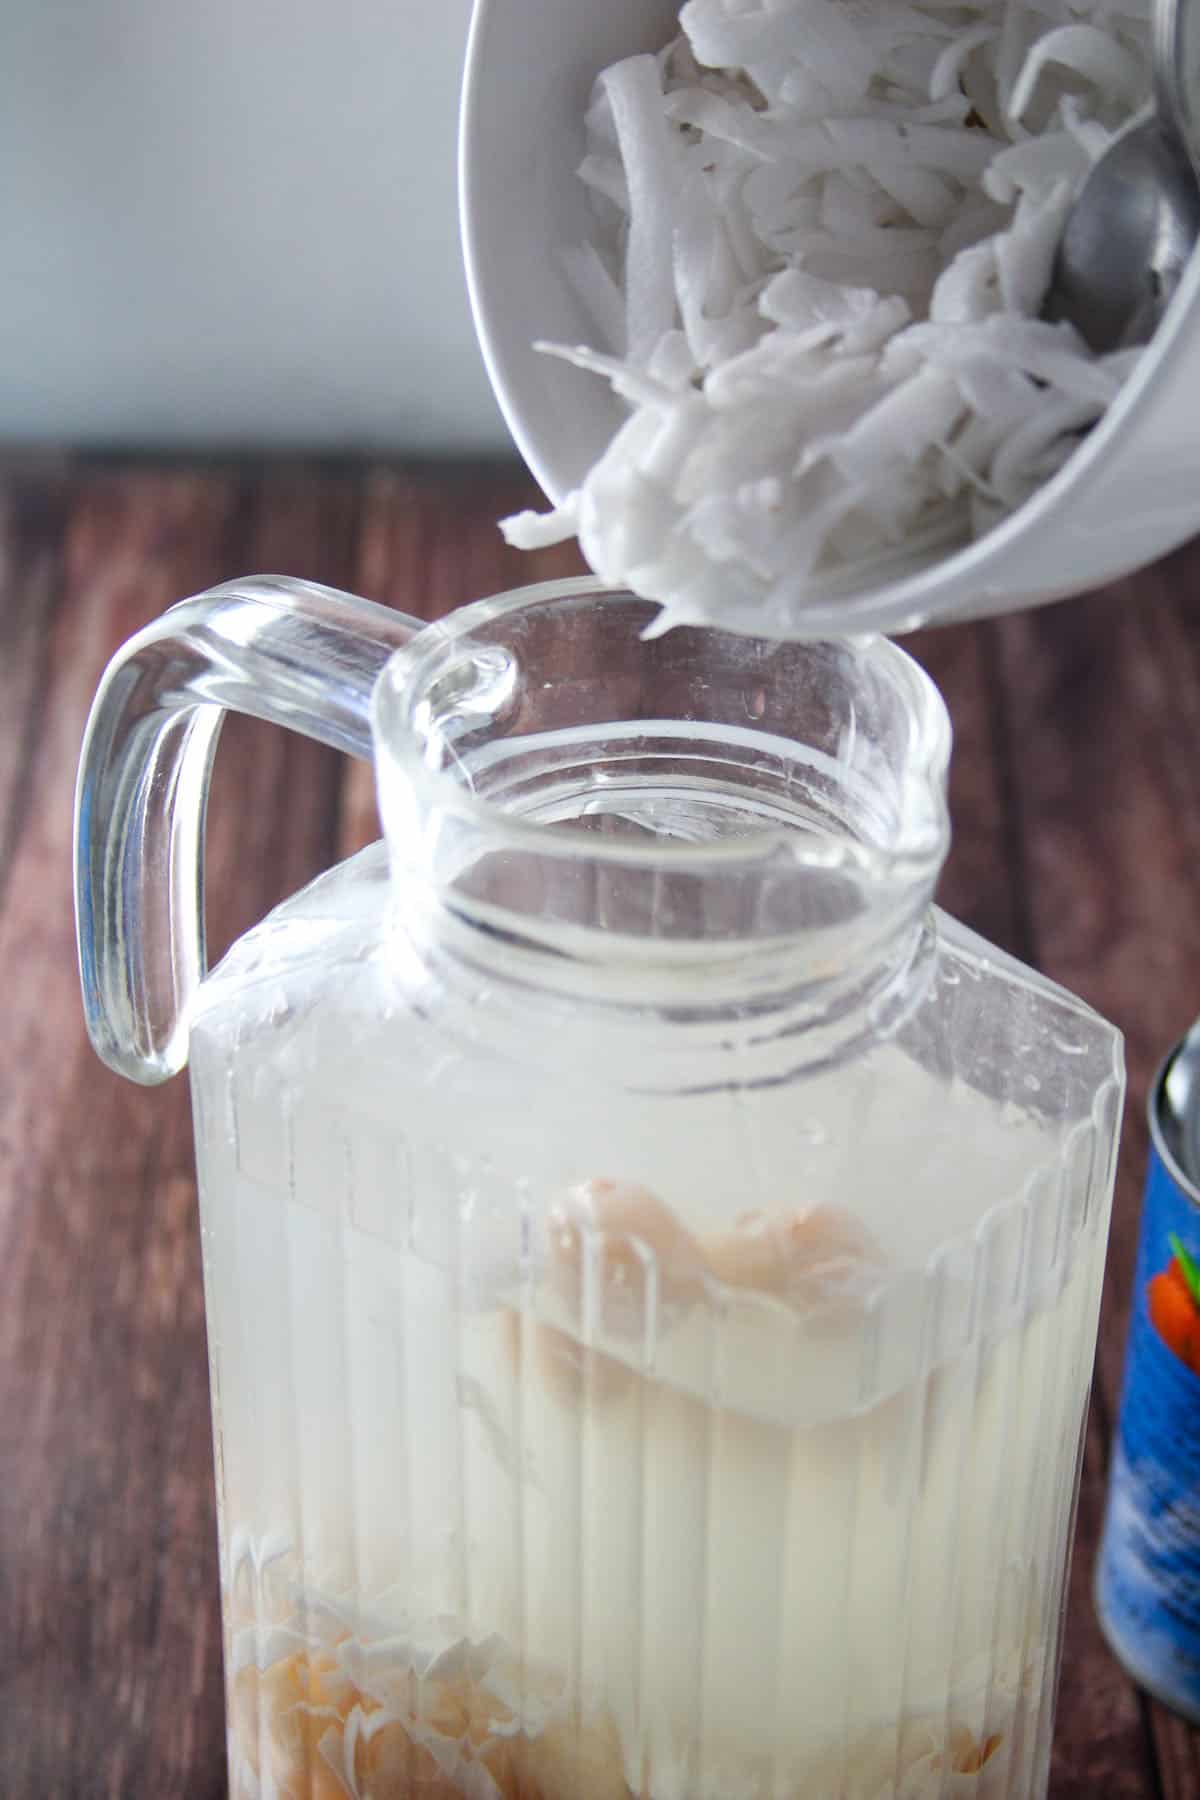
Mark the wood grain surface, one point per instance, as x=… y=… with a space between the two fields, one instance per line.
x=1077 y=819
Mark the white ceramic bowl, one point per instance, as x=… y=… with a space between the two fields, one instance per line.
x=1130 y=493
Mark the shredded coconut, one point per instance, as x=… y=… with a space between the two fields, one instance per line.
x=825 y=230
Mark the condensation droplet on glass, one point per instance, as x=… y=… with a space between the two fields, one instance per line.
x=1032 y=1084
x=1067 y=1047
x=756 y=702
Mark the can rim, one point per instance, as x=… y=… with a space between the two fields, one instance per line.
x=1159 y=1138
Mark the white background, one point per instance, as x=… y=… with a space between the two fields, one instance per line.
x=232 y=222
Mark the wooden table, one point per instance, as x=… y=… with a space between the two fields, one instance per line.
x=1077 y=818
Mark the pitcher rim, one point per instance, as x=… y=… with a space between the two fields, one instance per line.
x=915 y=846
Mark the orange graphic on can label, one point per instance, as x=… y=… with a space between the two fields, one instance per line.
x=1173 y=1302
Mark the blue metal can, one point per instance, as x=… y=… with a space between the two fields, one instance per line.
x=1148 y=1576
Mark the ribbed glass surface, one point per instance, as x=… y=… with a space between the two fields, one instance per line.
x=560 y=1485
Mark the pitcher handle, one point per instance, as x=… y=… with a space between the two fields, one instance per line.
x=287 y=651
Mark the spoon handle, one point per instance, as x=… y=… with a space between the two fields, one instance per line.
x=1174 y=52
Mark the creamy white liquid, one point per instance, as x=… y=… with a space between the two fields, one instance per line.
x=771 y=1554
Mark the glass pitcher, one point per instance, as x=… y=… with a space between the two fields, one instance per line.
x=652 y=1256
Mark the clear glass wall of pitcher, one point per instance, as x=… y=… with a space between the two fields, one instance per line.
x=652 y=1256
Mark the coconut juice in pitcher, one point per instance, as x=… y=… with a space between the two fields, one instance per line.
x=652 y=1256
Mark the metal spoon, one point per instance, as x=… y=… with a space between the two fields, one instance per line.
x=1137 y=217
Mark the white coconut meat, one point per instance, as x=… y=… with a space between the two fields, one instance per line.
x=825 y=230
